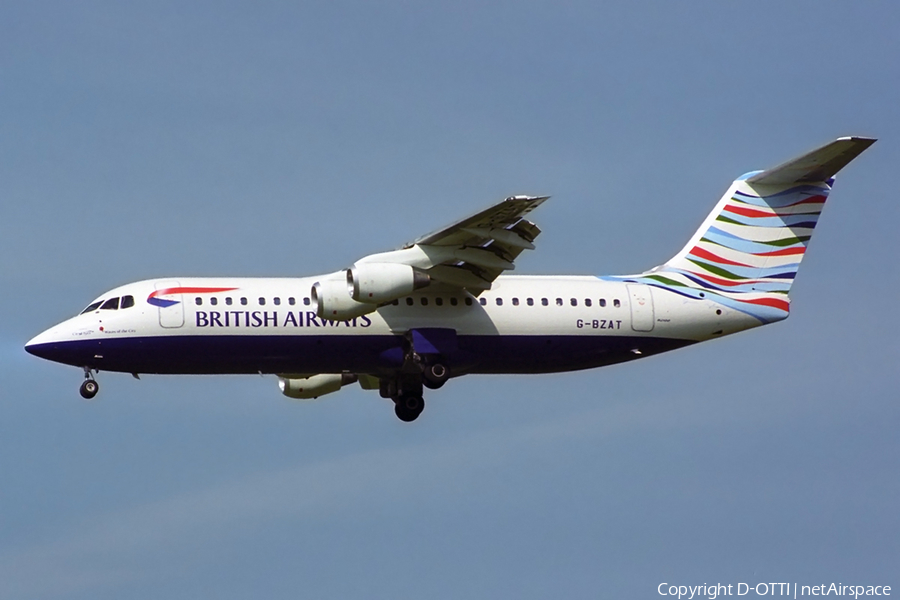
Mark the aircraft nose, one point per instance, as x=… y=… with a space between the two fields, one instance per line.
x=51 y=345
x=39 y=345
x=63 y=343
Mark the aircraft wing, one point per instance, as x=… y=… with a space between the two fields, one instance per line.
x=473 y=252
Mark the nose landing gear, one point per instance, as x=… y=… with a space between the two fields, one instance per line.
x=89 y=387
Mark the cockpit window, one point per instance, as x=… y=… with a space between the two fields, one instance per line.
x=111 y=304
x=127 y=302
x=92 y=307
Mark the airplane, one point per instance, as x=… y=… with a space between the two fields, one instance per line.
x=442 y=305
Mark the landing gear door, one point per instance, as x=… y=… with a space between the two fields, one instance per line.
x=434 y=341
x=168 y=300
x=641 y=300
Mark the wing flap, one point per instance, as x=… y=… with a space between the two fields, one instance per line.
x=504 y=236
x=502 y=215
x=473 y=252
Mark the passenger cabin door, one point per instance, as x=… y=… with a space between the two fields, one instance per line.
x=170 y=305
x=641 y=298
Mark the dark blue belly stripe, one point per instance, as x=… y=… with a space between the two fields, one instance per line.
x=333 y=354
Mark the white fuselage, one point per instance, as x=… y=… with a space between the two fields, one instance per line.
x=582 y=321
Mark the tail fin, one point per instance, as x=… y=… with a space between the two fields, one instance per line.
x=747 y=251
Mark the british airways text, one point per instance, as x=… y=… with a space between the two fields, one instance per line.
x=264 y=318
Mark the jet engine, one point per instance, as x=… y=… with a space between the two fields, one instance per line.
x=313 y=386
x=377 y=283
x=333 y=301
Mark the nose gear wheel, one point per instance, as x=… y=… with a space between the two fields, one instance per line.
x=89 y=387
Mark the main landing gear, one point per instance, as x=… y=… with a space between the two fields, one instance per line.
x=406 y=389
x=419 y=370
x=406 y=392
x=408 y=407
x=435 y=375
x=90 y=387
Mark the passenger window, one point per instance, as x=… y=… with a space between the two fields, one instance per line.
x=468 y=302
x=396 y=302
x=198 y=301
x=292 y=301
x=127 y=302
x=587 y=301
x=409 y=301
x=439 y=301
x=244 y=301
x=277 y=301
x=306 y=302
x=453 y=301
x=559 y=302
x=616 y=303
x=602 y=302
x=530 y=302
x=262 y=301
x=544 y=302
x=482 y=301
x=228 y=301
x=515 y=301
x=573 y=302
x=499 y=301
x=424 y=301
x=213 y=301
x=92 y=307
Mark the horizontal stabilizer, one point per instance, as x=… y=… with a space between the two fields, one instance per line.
x=816 y=166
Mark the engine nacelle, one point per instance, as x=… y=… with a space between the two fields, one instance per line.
x=308 y=388
x=333 y=301
x=377 y=283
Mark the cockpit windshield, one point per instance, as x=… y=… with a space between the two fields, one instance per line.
x=110 y=304
x=92 y=307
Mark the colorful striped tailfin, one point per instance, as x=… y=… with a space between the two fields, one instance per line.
x=746 y=253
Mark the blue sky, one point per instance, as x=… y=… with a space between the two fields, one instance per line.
x=268 y=140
